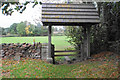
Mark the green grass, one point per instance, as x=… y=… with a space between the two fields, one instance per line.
x=105 y=66
x=101 y=66
x=60 y=42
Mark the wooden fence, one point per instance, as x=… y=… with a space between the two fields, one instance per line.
x=62 y=53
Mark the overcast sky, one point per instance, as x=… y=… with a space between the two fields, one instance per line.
x=30 y=14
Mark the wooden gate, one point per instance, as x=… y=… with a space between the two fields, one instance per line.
x=62 y=51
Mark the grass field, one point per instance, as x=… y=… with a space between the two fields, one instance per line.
x=60 y=42
x=103 y=65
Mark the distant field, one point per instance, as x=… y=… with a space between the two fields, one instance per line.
x=60 y=42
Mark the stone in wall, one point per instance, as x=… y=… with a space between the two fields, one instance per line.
x=25 y=49
x=16 y=51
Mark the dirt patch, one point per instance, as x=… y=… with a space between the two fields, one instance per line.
x=100 y=57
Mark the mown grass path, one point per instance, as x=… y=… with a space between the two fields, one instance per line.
x=103 y=65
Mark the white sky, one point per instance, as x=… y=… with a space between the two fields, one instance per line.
x=29 y=15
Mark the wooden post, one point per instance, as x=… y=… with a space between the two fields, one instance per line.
x=49 y=41
x=84 y=45
x=82 y=51
x=85 y=42
x=53 y=57
x=88 y=41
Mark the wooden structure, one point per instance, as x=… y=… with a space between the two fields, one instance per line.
x=70 y=15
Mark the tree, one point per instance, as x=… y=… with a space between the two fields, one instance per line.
x=5 y=31
x=8 y=10
x=29 y=29
x=21 y=29
x=101 y=34
x=44 y=31
x=110 y=15
x=74 y=33
x=37 y=31
x=25 y=29
x=2 y=31
x=13 y=29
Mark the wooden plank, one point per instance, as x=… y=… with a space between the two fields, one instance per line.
x=72 y=20
x=67 y=16
x=68 y=10
x=71 y=13
x=68 y=23
x=67 y=51
x=87 y=7
x=65 y=4
x=69 y=6
x=66 y=55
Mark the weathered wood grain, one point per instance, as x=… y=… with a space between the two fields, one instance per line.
x=53 y=13
x=72 y=20
x=68 y=16
x=71 y=13
x=69 y=6
x=67 y=10
x=65 y=4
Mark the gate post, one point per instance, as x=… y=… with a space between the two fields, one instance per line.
x=82 y=51
x=85 y=43
x=52 y=54
x=49 y=59
x=88 y=41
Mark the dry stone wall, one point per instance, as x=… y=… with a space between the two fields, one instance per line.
x=18 y=50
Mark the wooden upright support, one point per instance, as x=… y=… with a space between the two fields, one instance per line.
x=88 y=41
x=85 y=52
x=85 y=43
x=82 y=51
x=53 y=54
x=49 y=42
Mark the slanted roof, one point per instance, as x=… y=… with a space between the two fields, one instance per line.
x=69 y=14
